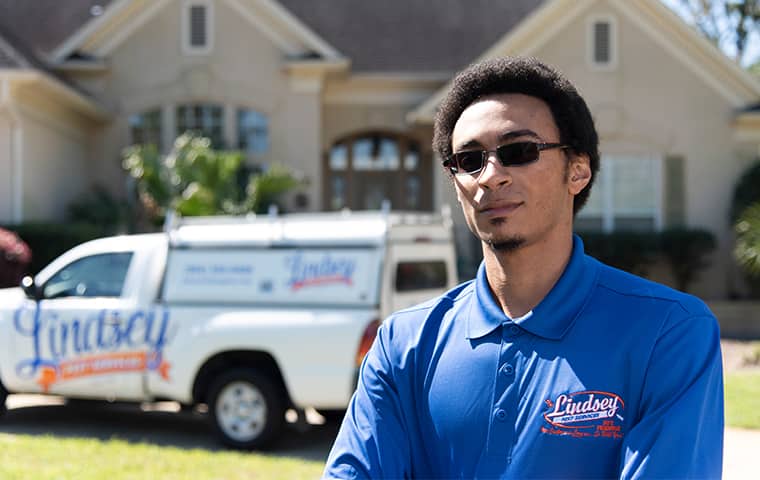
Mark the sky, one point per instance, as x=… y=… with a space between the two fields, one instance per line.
x=752 y=52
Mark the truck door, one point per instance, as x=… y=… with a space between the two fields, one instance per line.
x=84 y=337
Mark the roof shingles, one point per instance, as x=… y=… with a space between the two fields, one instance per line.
x=411 y=35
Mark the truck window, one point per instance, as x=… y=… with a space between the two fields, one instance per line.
x=420 y=275
x=100 y=275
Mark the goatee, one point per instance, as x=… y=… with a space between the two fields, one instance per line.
x=506 y=245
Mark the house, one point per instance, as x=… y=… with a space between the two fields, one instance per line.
x=344 y=92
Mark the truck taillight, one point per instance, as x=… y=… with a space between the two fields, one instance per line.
x=366 y=342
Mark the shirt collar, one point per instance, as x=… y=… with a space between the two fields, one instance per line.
x=553 y=316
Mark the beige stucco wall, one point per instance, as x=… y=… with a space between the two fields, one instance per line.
x=6 y=170
x=651 y=103
x=245 y=70
x=56 y=156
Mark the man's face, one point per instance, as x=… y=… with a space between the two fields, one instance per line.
x=515 y=206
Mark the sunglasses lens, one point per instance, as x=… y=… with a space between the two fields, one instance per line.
x=468 y=162
x=518 y=153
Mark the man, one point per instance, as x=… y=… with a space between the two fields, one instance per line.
x=549 y=364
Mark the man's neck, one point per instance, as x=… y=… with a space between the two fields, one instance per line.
x=521 y=278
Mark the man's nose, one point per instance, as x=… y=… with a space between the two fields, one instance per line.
x=493 y=174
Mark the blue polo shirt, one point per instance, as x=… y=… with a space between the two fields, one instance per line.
x=609 y=376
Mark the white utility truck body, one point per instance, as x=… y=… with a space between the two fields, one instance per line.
x=249 y=315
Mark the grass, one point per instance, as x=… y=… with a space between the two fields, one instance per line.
x=60 y=458
x=89 y=459
x=742 y=394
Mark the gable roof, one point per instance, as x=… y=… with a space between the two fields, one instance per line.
x=376 y=36
x=406 y=36
x=655 y=20
x=45 y=24
x=99 y=36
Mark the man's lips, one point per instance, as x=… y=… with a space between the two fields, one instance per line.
x=499 y=209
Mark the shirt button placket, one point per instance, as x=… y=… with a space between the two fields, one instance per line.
x=501 y=435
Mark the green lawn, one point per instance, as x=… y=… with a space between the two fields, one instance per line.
x=84 y=459
x=57 y=458
x=743 y=399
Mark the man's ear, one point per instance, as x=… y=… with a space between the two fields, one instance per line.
x=579 y=173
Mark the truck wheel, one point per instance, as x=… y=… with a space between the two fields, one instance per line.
x=3 y=397
x=245 y=408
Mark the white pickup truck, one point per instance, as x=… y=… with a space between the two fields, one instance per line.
x=249 y=316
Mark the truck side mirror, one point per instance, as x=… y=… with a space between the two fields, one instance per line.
x=30 y=288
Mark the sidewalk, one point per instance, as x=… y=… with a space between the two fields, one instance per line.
x=741 y=454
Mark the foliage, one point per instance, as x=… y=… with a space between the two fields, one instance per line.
x=726 y=23
x=685 y=251
x=265 y=188
x=746 y=192
x=629 y=251
x=50 y=240
x=742 y=392
x=194 y=179
x=747 y=250
x=98 y=207
x=15 y=257
x=48 y=458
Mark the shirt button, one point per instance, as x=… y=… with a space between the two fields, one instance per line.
x=513 y=330
x=507 y=369
x=501 y=415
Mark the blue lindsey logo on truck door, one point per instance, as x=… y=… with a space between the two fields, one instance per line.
x=97 y=344
x=324 y=270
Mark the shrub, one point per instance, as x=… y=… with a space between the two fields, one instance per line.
x=686 y=252
x=99 y=207
x=629 y=251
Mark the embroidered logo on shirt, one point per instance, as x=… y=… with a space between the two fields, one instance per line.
x=585 y=414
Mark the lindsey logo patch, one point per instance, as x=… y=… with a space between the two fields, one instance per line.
x=584 y=414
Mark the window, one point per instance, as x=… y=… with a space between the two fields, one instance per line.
x=197 y=23
x=253 y=132
x=412 y=276
x=95 y=276
x=145 y=128
x=627 y=195
x=602 y=43
x=364 y=170
x=205 y=119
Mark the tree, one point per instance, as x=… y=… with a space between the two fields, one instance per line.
x=729 y=24
x=194 y=179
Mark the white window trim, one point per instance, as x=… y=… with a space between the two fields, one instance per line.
x=590 y=44
x=187 y=48
x=605 y=183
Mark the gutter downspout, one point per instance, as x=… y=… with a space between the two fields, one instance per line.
x=16 y=151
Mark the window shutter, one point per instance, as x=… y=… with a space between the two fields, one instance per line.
x=675 y=191
x=198 y=26
x=602 y=47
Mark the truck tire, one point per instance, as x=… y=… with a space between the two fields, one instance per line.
x=246 y=409
x=3 y=397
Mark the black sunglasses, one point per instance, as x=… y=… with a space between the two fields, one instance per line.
x=509 y=155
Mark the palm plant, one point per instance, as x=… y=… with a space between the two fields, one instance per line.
x=194 y=179
x=747 y=250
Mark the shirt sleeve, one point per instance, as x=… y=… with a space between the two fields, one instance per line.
x=373 y=440
x=679 y=429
